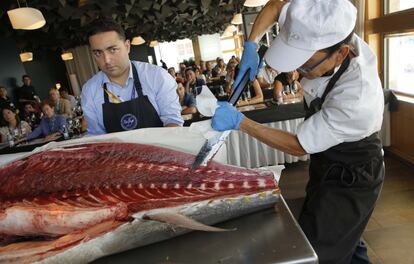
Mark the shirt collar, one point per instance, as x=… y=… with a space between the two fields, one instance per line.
x=130 y=76
x=317 y=86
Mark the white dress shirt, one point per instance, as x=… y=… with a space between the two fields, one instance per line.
x=157 y=84
x=352 y=110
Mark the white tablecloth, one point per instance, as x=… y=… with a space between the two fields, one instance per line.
x=246 y=151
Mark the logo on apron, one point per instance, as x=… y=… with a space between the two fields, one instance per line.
x=129 y=122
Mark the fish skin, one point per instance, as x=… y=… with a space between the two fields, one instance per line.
x=31 y=251
x=51 y=220
x=147 y=178
x=143 y=232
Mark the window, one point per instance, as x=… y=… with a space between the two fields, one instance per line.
x=227 y=44
x=399 y=62
x=391 y=37
x=397 y=5
x=175 y=52
x=230 y=46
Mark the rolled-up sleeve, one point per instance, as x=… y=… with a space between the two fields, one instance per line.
x=315 y=134
x=166 y=98
x=340 y=120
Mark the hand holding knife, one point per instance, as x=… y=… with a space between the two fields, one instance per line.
x=212 y=145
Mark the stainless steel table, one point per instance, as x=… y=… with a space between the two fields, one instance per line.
x=268 y=236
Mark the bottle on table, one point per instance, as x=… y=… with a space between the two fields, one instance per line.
x=10 y=140
x=286 y=89
x=222 y=93
x=248 y=94
x=65 y=132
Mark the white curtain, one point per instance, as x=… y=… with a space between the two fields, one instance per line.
x=359 y=27
x=246 y=151
x=83 y=64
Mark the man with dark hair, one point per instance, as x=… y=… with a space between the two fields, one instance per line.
x=26 y=92
x=344 y=103
x=187 y=101
x=192 y=82
x=125 y=94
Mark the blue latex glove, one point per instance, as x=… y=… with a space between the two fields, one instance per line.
x=249 y=60
x=226 y=117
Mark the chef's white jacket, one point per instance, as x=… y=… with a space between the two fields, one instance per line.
x=352 y=110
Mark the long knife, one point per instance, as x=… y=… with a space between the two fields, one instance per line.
x=212 y=145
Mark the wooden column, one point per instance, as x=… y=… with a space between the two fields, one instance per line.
x=197 y=52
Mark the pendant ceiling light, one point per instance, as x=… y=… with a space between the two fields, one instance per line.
x=26 y=56
x=67 y=56
x=137 y=41
x=153 y=43
x=237 y=19
x=26 y=18
x=255 y=3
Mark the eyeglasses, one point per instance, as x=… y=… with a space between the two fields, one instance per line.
x=306 y=70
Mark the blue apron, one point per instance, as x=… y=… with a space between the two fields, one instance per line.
x=133 y=114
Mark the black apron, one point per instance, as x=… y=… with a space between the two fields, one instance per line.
x=344 y=185
x=132 y=114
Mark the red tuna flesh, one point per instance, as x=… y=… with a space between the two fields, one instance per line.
x=62 y=191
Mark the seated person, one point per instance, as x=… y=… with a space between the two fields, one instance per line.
x=172 y=72
x=208 y=71
x=287 y=86
x=255 y=92
x=51 y=126
x=231 y=67
x=4 y=99
x=199 y=74
x=14 y=126
x=266 y=76
x=253 y=89
x=177 y=78
x=192 y=82
x=61 y=106
x=219 y=70
x=187 y=101
x=65 y=95
x=31 y=115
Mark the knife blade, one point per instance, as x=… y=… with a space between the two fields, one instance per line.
x=212 y=145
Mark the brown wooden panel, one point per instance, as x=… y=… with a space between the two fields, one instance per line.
x=392 y=23
x=372 y=9
x=402 y=131
x=196 y=49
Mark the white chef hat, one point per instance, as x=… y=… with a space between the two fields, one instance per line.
x=306 y=27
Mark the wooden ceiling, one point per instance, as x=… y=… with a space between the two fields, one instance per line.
x=163 y=20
